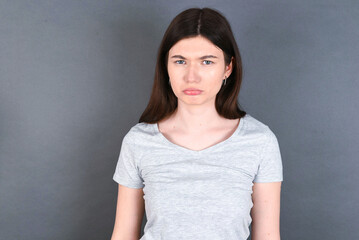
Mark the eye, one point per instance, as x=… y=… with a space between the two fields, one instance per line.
x=207 y=62
x=179 y=61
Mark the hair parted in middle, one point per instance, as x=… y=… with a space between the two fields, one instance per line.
x=208 y=23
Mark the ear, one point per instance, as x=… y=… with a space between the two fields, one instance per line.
x=229 y=69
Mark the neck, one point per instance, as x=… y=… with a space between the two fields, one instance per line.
x=196 y=118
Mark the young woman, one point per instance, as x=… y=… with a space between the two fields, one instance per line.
x=199 y=167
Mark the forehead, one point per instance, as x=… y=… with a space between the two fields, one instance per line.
x=195 y=46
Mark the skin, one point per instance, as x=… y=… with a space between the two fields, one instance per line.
x=197 y=63
x=196 y=125
x=186 y=68
x=129 y=214
x=265 y=212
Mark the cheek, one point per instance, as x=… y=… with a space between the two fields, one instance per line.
x=173 y=72
x=214 y=72
x=216 y=77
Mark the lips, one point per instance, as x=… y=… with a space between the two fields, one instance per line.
x=192 y=91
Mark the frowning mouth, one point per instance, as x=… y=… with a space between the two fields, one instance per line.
x=192 y=91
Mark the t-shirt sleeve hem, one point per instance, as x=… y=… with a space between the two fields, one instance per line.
x=127 y=183
x=264 y=180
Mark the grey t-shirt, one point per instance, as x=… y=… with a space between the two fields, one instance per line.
x=202 y=194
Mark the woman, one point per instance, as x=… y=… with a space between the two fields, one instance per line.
x=199 y=167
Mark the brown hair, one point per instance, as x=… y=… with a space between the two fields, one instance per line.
x=192 y=22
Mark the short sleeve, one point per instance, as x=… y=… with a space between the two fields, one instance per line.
x=127 y=171
x=270 y=168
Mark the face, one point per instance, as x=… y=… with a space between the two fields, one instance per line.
x=196 y=63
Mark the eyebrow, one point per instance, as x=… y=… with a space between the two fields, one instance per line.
x=203 y=57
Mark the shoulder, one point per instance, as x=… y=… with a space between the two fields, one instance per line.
x=254 y=126
x=139 y=132
x=256 y=130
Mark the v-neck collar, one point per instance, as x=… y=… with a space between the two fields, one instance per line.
x=208 y=149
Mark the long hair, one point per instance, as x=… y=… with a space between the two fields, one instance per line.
x=193 y=22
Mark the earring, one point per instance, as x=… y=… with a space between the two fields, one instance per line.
x=225 y=80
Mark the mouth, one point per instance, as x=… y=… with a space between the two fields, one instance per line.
x=192 y=91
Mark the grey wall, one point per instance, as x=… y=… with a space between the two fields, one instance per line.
x=76 y=75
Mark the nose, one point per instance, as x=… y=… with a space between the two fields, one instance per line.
x=192 y=73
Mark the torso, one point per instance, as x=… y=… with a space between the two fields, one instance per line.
x=198 y=142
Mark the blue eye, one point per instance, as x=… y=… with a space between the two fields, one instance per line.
x=207 y=61
x=179 y=61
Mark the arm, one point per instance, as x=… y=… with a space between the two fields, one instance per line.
x=265 y=212
x=129 y=214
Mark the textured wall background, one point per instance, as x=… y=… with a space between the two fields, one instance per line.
x=76 y=75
